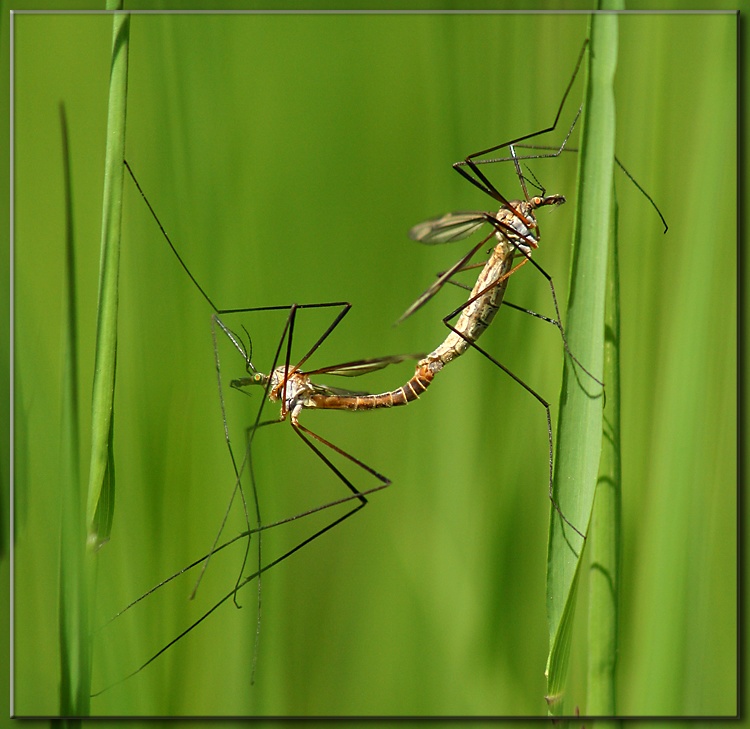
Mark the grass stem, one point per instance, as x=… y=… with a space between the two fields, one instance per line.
x=579 y=437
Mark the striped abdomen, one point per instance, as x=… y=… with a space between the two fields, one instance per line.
x=401 y=396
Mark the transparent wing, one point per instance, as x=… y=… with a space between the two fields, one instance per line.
x=449 y=227
x=362 y=367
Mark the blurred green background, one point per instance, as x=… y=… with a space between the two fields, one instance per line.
x=287 y=156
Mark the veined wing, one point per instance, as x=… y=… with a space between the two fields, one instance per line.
x=449 y=227
x=362 y=367
x=328 y=391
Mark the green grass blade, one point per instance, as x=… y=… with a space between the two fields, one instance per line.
x=75 y=651
x=604 y=545
x=100 y=500
x=580 y=422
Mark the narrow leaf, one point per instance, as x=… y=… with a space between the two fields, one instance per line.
x=580 y=422
x=101 y=472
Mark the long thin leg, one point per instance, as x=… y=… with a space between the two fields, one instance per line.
x=478 y=179
x=231 y=594
x=530 y=390
x=557 y=324
x=287 y=334
x=558 y=320
x=237 y=478
x=444 y=277
x=355 y=495
x=552 y=150
x=556 y=151
x=546 y=406
x=461 y=265
x=246 y=466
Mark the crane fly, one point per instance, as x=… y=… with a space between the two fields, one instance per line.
x=289 y=385
x=295 y=388
x=513 y=226
x=516 y=230
x=475 y=316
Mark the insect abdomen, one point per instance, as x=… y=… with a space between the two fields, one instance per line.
x=401 y=396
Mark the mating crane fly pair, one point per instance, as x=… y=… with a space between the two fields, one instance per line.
x=515 y=231
x=514 y=227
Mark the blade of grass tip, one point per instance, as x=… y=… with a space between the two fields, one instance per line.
x=75 y=655
x=100 y=498
x=579 y=435
x=604 y=547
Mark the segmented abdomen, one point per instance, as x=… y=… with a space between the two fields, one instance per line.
x=401 y=396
